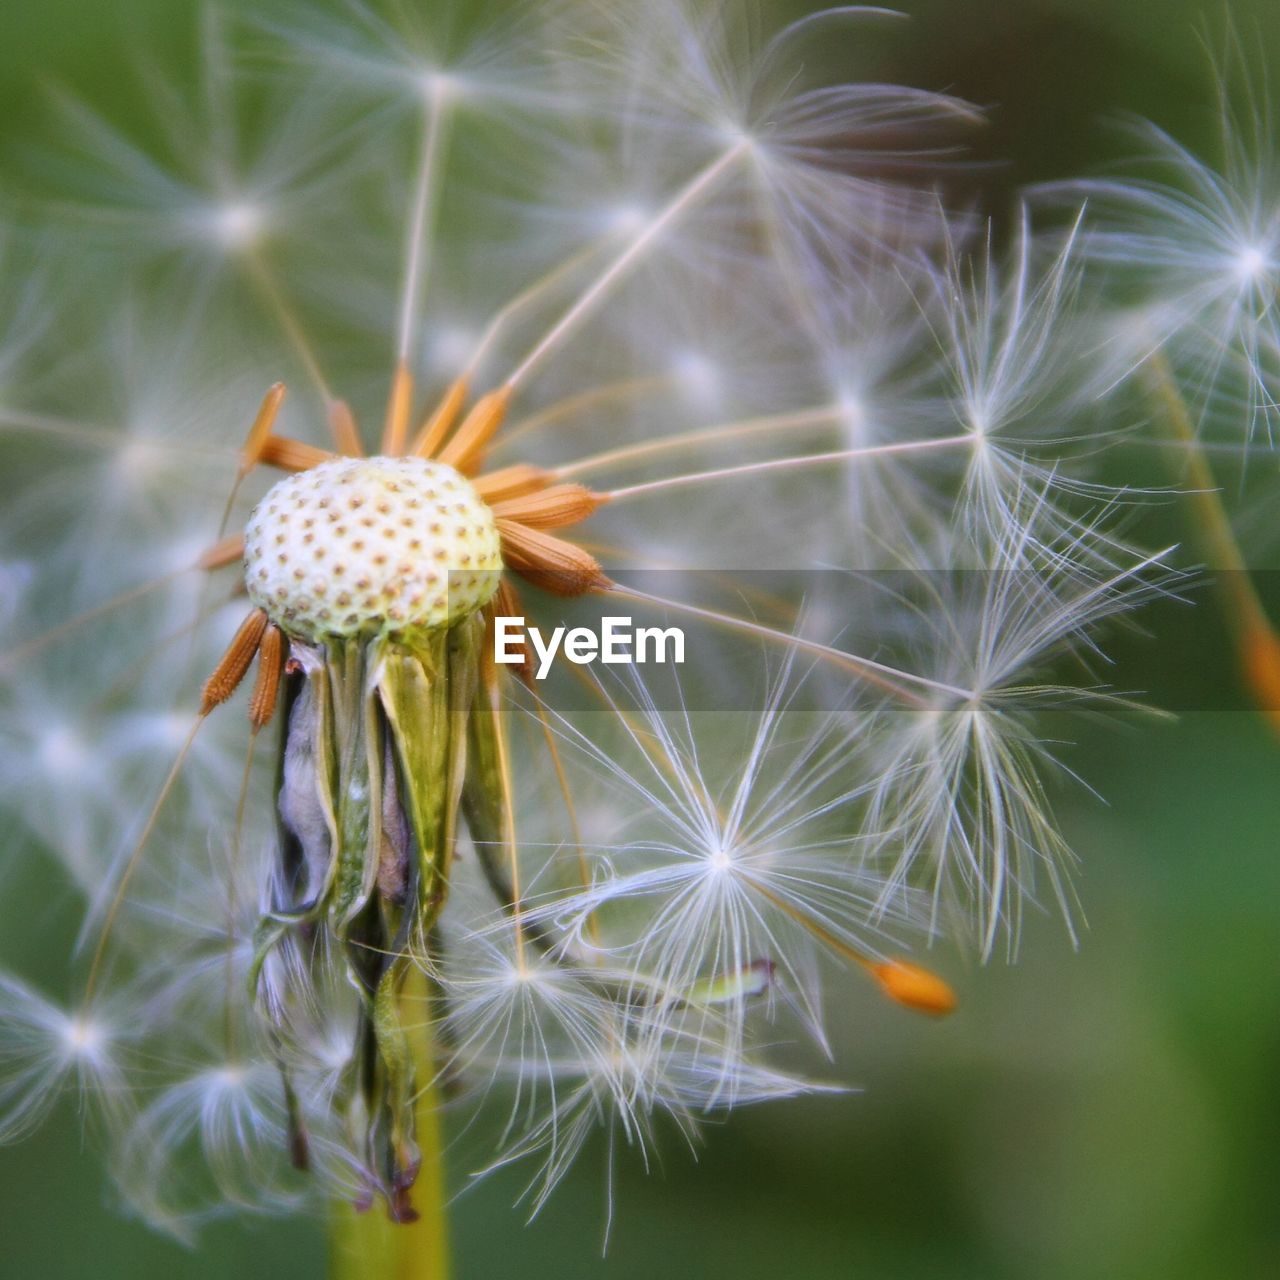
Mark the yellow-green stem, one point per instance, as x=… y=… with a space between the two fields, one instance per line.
x=369 y=1246
x=1256 y=639
x=1206 y=498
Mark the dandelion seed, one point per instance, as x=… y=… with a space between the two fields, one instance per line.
x=46 y=1052
x=231 y=1113
x=1200 y=239
x=961 y=787
x=763 y=875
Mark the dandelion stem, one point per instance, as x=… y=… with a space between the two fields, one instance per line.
x=575 y=827
x=687 y=198
x=527 y=297
x=368 y=1245
x=822 y=416
x=56 y=633
x=509 y=826
x=594 y=397
x=787 y=464
x=288 y=320
x=1257 y=644
x=891 y=679
x=417 y=244
x=131 y=866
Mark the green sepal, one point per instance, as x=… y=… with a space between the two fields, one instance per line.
x=483 y=804
x=413 y=690
x=357 y=800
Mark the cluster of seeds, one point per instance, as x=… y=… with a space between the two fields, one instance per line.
x=360 y=546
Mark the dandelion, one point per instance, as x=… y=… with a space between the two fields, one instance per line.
x=48 y=1051
x=1200 y=241
x=737 y=872
x=233 y=1116
x=443 y=877
x=648 y=1080
x=961 y=777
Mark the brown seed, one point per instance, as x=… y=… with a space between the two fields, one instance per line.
x=551 y=508
x=235 y=662
x=271 y=656
x=550 y=562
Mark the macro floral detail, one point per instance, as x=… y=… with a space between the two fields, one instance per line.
x=579 y=317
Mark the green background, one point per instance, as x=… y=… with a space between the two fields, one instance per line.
x=1111 y=1112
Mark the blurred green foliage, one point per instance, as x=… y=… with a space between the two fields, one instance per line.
x=1106 y=1113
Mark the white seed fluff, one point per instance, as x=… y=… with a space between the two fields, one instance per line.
x=371 y=545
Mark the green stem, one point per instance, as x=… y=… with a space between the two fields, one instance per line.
x=1206 y=499
x=368 y=1245
x=1256 y=641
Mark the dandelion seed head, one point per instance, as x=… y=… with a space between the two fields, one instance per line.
x=84 y=1037
x=1253 y=262
x=63 y=750
x=679 y=254
x=1197 y=234
x=853 y=411
x=720 y=860
x=136 y=463
x=625 y=218
x=208 y=1143
x=168 y=730
x=710 y=888
x=1000 y=325
x=451 y=345
x=958 y=795
x=47 y=1052
x=439 y=86
x=238 y=224
x=698 y=377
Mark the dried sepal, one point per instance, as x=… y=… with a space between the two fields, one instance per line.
x=506 y=604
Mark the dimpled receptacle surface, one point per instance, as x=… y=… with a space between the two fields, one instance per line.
x=363 y=546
